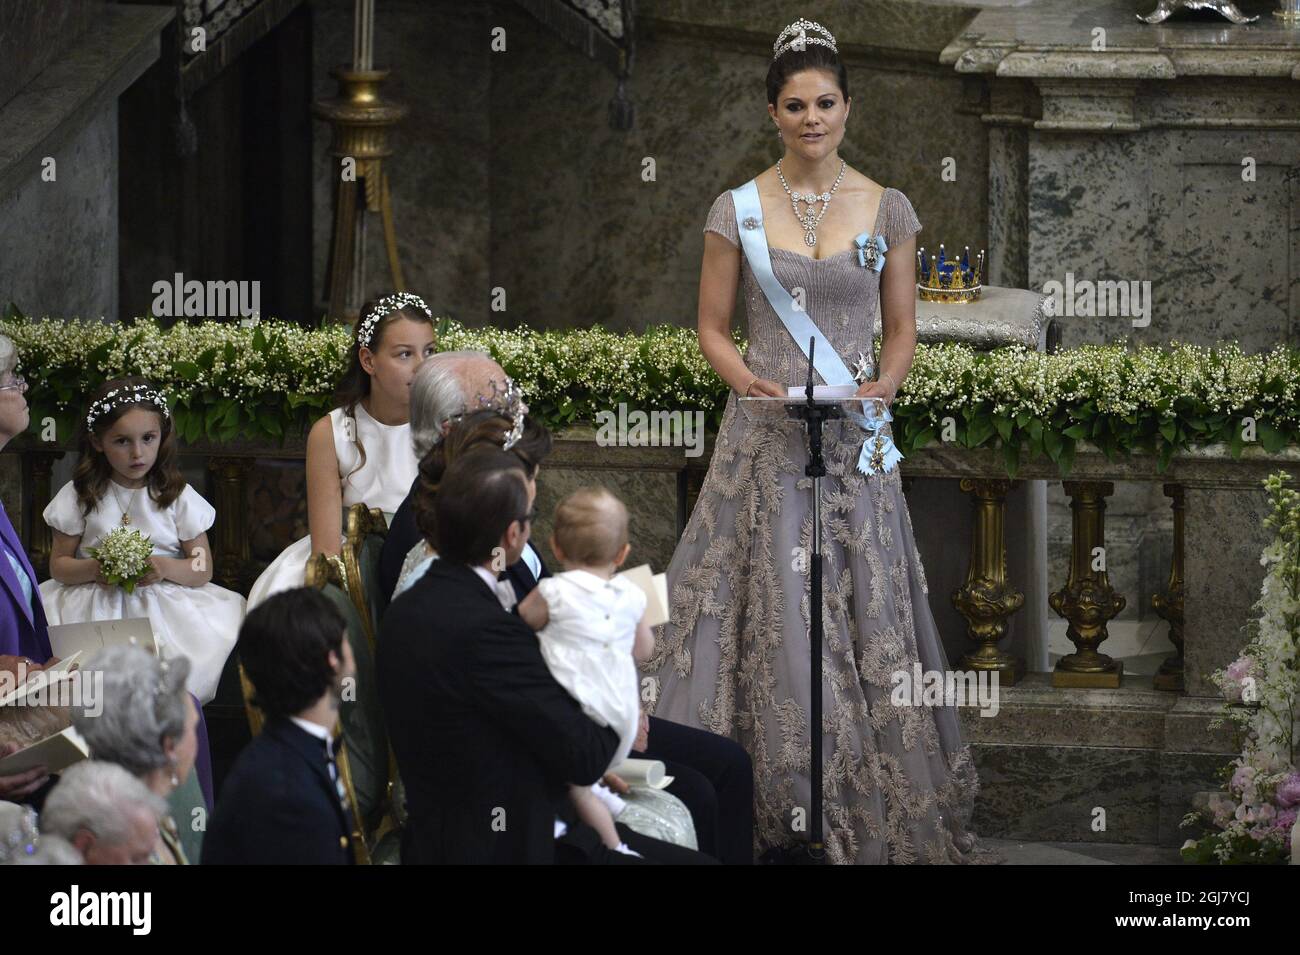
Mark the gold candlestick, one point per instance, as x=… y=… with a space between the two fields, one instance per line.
x=360 y=119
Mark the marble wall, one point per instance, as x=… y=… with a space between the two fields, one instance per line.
x=440 y=170
x=58 y=242
x=58 y=220
x=507 y=174
x=33 y=34
x=1163 y=158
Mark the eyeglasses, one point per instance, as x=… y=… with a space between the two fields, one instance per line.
x=18 y=383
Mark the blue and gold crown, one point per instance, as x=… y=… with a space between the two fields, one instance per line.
x=942 y=279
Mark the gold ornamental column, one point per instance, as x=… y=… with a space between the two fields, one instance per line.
x=986 y=600
x=1088 y=600
x=360 y=119
x=1169 y=605
x=230 y=543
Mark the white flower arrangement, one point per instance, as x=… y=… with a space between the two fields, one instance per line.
x=1255 y=817
x=123 y=554
x=265 y=380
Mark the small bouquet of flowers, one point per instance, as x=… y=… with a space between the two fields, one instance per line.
x=123 y=556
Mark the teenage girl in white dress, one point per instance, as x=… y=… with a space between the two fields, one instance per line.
x=361 y=451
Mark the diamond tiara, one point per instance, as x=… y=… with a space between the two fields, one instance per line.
x=127 y=395
x=508 y=401
x=799 y=39
x=386 y=306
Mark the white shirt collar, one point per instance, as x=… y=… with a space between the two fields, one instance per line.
x=587 y=580
x=503 y=590
x=315 y=729
x=488 y=577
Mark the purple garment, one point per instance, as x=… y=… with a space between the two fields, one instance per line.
x=23 y=629
x=25 y=632
x=203 y=757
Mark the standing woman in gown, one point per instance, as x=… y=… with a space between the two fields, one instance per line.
x=361 y=451
x=899 y=781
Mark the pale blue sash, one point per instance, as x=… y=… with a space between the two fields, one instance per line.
x=878 y=453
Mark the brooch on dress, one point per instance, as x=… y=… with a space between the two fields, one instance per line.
x=750 y=222
x=871 y=251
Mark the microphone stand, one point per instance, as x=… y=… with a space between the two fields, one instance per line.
x=814 y=416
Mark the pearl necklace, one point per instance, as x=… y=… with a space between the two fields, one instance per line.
x=810 y=221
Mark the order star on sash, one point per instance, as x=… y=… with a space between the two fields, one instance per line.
x=878 y=454
x=861 y=368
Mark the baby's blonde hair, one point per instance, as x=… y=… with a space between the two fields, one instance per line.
x=591 y=526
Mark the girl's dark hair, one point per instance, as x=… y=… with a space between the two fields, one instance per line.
x=355 y=383
x=91 y=476
x=813 y=57
x=481 y=429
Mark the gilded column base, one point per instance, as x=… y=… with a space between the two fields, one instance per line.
x=987 y=598
x=1087 y=600
x=1010 y=669
x=986 y=608
x=1170 y=675
x=230 y=541
x=1108 y=675
x=1169 y=605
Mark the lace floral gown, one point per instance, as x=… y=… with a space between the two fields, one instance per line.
x=899 y=784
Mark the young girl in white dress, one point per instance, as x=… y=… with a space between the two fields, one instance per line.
x=361 y=451
x=127 y=476
x=595 y=633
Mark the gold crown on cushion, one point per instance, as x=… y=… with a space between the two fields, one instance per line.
x=942 y=279
x=795 y=37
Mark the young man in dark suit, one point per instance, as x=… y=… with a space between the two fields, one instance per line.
x=282 y=803
x=486 y=739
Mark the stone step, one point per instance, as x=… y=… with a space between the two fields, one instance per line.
x=1082 y=853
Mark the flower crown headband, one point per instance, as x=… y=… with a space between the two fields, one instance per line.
x=799 y=38
x=507 y=401
x=386 y=306
x=126 y=395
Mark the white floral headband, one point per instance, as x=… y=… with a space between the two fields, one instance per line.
x=126 y=395
x=507 y=401
x=386 y=306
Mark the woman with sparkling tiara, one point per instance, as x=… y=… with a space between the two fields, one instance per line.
x=899 y=782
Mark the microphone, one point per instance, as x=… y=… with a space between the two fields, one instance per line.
x=808 y=390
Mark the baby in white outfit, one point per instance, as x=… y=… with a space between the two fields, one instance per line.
x=595 y=632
